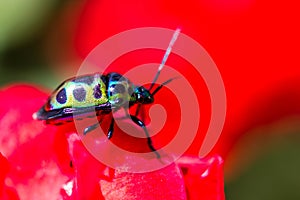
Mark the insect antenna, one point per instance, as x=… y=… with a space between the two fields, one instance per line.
x=164 y=60
x=161 y=85
x=161 y=66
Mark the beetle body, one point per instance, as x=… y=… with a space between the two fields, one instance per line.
x=85 y=95
x=95 y=94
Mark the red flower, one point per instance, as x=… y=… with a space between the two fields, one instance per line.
x=28 y=145
x=6 y=192
x=48 y=162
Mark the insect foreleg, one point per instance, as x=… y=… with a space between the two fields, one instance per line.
x=149 y=141
x=94 y=126
x=111 y=128
x=138 y=109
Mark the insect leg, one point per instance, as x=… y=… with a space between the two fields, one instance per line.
x=149 y=141
x=91 y=128
x=111 y=128
x=138 y=109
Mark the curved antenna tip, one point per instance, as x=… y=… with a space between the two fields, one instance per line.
x=167 y=53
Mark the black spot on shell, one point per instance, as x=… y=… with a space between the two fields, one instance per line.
x=84 y=79
x=79 y=94
x=61 y=96
x=97 y=92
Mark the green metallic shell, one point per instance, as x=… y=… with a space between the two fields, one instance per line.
x=82 y=91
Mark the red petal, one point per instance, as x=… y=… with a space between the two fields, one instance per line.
x=28 y=144
x=203 y=177
x=88 y=171
x=166 y=183
x=4 y=168
x=6 y=193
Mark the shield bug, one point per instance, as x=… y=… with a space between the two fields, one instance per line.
x=99 y=94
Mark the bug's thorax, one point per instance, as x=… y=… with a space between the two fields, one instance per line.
x=120 y=90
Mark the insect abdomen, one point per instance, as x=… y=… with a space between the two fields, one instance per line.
x=85 y=91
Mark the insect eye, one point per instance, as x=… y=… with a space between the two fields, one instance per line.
x=61 y=96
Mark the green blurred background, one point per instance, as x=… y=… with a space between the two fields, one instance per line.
x=23 y=30
x=33 y=39
x=35 y=42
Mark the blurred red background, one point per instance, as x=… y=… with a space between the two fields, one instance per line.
x=253 y=43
